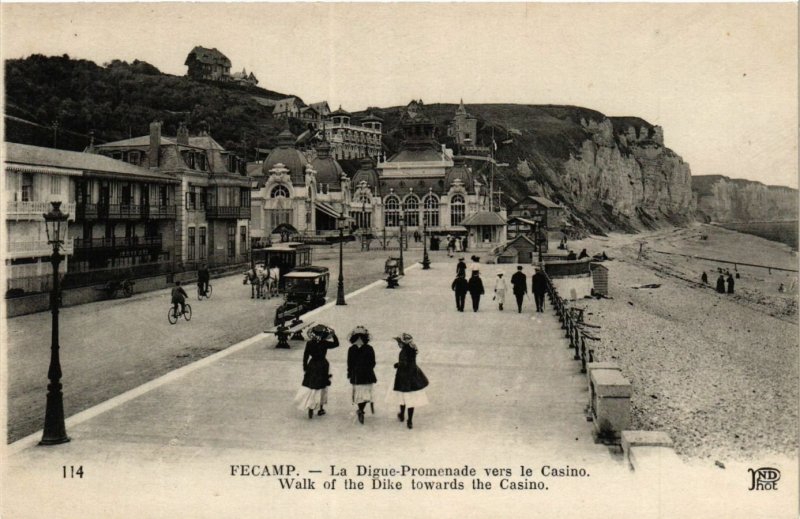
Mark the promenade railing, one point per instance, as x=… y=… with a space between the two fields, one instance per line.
x=571 y=319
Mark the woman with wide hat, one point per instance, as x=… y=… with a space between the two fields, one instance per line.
x=314 y=393
x=409 y=381
x=361 y=369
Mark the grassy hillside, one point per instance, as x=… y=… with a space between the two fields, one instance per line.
x=120 y=99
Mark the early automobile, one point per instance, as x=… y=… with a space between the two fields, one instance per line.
x=305 y=289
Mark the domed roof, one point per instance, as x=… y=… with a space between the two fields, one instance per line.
x=368 y=174
x=289 y=156
x=459 y=171
x=328 y=171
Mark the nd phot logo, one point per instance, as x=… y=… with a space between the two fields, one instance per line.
x=765 y=478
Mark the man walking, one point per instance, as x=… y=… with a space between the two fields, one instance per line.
x=475 y=287
x=459 y=286
x=461 y=267
x=539 y=288
x=500 y=287
x=520 y=286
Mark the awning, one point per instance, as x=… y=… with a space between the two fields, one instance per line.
x=327 y=209
x=48 y=170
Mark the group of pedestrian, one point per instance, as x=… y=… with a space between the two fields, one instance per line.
x=455 y=244
x=721 y=280
x=408 y=391
x=474 y=286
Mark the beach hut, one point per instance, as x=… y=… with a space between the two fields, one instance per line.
x=599 y=279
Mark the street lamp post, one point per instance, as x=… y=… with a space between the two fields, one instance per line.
x=340 y=289
x=426 y=262
x=55 y=430
x=402 y=222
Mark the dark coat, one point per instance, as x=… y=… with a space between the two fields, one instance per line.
x=315 y=364
x=539 y=283
x=730 y=284
x=409 y=377
x=460 y=285
x=203 y=275
x=721 y=285
x=475 y=286
x=461 y=268
x=520 y=283
x=361 y=364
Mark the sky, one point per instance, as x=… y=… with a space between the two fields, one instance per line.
x=721 y=79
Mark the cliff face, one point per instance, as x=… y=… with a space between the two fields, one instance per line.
x=611 y=173
x=725 y=200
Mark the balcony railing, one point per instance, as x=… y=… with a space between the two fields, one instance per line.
x=125 y=212
x=83 y=245
x=222 y=211
x=34 y=210
x=33 y=249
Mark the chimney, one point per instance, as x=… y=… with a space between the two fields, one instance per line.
x=155 y=144
x=183 y=134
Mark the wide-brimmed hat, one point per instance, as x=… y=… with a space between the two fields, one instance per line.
x=405 y=338
x=359 y=331
x=461 y=258
x=499 y=273
x=321 y=331
x=474 y=258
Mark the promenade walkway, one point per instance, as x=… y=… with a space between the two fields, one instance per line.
x=504 y=393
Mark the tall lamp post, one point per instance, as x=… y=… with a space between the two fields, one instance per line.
x=342 y=220
x=55 y=431
x=426 y=262
x=402 y=222
x=539 y=240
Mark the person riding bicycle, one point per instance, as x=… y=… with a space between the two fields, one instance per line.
x=203 y=278
x=178 y=297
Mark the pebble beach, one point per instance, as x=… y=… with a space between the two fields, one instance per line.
x=718 y=372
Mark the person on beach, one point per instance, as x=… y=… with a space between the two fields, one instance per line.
x=721 y=284
x=475 y=287
x=704 y=278
x=316 y=379
x=460 y=287
x=539 y=288
x=461 y=267
x=361 y=369
x=500 y=287
x=730 y=283
x=571 y=255
x=583 y=254
x=409 y=381
x=519 y=284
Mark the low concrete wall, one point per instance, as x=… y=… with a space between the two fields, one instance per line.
x=77 y=296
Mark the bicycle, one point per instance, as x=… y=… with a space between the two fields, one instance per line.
x=173 y=315
x=201 y=295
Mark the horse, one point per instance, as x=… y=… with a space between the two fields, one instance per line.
x=257 y=279
x=271 y=281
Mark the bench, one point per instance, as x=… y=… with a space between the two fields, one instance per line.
x=295 y=330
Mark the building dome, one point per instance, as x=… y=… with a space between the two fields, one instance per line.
x=328 y=169
x=289 y=156
x=367 y=173
x=461 y=172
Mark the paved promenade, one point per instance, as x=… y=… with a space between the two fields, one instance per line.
x=504 y=392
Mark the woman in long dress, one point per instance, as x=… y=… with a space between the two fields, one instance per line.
x=361 y=369
x=316 y=379
x=409 y=381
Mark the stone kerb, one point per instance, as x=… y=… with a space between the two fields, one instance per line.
x=648 y=451
x=610 y=405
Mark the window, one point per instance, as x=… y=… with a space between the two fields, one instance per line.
x=431 y=210
x=456 y=209
x=127 y=195
x=191 y=200
x=133 y=157
x=163 y=196
x=191 y=255
x=243 y=239
x=231 y=240
x=244 y=197
x=364 y=198
x=279 y=192
x=203 y=247
x=201 y=162
x=27 y=187
x=55 y=185
x=116 y=155
x=411 y=208
x=392 y=211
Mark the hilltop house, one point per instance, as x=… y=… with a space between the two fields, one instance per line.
x=243 y=78
x=206 y=63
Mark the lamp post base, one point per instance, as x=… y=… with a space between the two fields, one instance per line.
x=426 y=263
x=55 y=432
x=340 y=295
